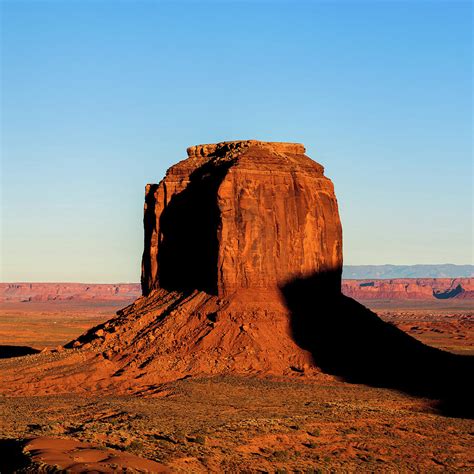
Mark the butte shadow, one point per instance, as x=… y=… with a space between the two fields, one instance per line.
x=348 y=340
x=7 y=352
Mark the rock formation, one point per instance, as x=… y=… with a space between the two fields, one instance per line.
x=225 y=230
x=410 y=289
x=42 y=292
x=237 y=216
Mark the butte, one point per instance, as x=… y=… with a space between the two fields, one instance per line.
x=225 y=230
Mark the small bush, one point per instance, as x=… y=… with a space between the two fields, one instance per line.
x=134 y=445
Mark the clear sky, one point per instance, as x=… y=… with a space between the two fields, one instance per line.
x=101 y=97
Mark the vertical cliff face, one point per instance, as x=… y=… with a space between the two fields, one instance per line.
x=240 y=215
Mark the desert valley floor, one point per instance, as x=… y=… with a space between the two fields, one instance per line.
x=230 y=423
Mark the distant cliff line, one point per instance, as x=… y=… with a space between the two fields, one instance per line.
x=360 y=289
x=446 y=270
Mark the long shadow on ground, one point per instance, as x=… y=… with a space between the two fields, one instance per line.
x=348 y=340
x=16 y=351
x=12 y=458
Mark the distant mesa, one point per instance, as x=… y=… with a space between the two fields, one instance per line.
x=410 y=289
x=122 y=293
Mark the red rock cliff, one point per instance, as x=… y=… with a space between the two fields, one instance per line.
x=240 y=215
x=410 y=289
x=226 y=231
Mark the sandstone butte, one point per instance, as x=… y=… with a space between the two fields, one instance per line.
x=240 y=217
x=241 y=273
x=224 y=230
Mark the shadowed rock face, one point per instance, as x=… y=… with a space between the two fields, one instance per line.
x=240 y=215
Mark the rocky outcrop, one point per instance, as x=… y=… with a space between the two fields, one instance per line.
x=240 y=215
x=410 y=289
x=225 y=231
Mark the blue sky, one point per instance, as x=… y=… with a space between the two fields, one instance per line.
x=101 y=97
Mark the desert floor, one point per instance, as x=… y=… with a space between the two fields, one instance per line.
x=239 y=424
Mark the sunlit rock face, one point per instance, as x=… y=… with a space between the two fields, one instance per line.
x=241 y=215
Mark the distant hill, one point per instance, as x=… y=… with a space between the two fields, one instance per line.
x=448 y=270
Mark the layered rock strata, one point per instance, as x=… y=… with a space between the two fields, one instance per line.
x=43 y=292
x=410 y=289
x=240 y=215
x=225 y=231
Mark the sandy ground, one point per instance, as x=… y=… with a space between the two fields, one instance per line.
x=236 y=424
x=442 y=324
x=49 y=324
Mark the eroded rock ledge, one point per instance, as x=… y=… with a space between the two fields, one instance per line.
x=222 y=148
